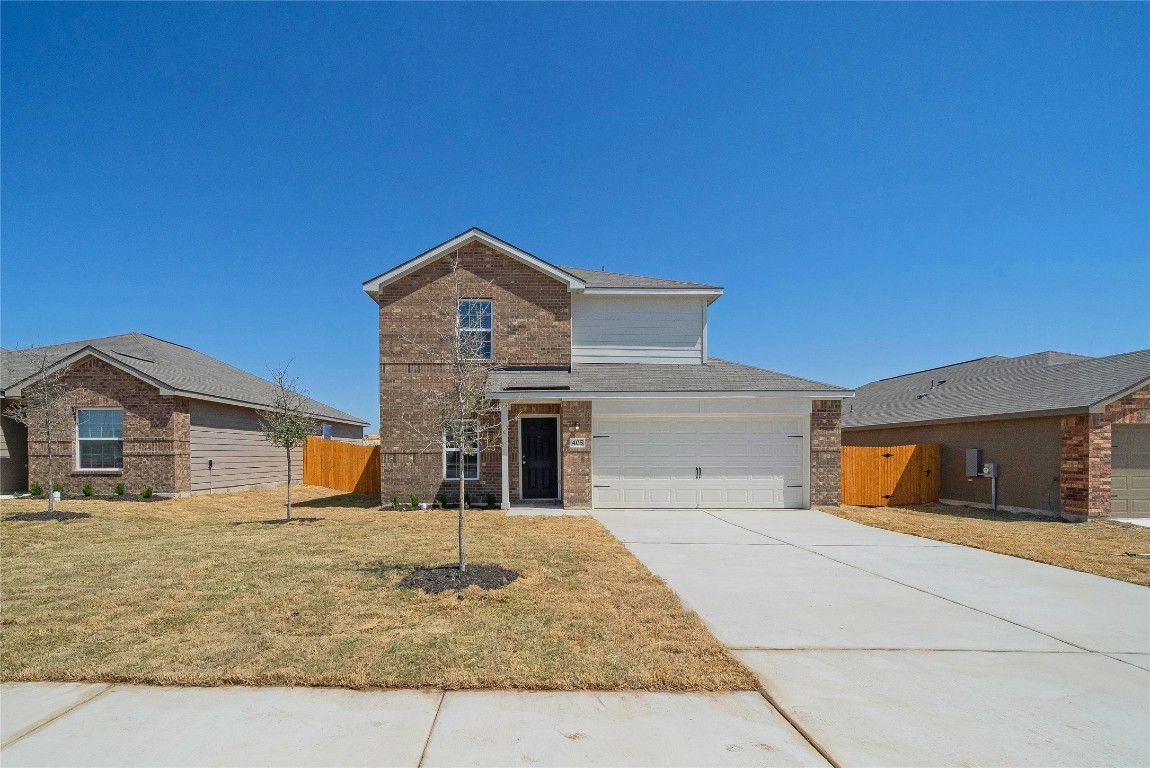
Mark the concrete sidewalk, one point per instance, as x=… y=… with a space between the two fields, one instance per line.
x=65 y=724
x=889 y=649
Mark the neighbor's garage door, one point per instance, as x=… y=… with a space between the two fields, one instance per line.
x=1130 y=471
x=691 y=462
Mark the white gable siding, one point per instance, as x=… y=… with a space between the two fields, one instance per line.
x=637 y=329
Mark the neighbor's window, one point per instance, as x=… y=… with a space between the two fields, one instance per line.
x=327 y=431
x=100 y=438
x=475 y=329
x=468 y=440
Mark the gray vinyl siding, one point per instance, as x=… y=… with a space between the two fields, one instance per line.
x=13 y=454
x=346 y=433
x=241 y=458
x=637 y=329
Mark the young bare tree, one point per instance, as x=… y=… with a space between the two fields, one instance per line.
x=45 y=407
x=287 y=424
x=464 y=420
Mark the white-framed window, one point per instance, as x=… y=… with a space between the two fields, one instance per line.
x=327 y=431
x=99 y=438
x=452 y=455
x=475 y=329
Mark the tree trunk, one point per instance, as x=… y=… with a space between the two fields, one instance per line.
x=289 y=483
x=51 y=499
x=462 y=496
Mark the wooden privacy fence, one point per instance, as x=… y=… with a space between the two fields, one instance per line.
x=890 y=475
x=341 y=466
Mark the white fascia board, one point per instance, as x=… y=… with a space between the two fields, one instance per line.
x=17 y=389
x=1100 y=406
x=573 y=283
x=711 y=294
x=570 y=395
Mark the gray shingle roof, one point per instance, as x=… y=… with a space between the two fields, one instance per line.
x=598 y=279
x=175 y=366
x=997 y=386
x=715 y=376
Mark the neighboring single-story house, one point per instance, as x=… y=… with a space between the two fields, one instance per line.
x=1070 y=434
x=149 y=412
x=608 y=394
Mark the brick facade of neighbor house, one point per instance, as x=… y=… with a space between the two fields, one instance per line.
x=531 y=326
x=156 y=435
x=826 y=452
x=1087 y=441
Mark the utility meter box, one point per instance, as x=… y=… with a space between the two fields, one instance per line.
x=990 y=470
x=973 y=462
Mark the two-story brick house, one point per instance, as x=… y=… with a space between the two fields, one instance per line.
x=607 y=394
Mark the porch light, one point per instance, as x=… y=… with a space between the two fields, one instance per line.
x=576 y=426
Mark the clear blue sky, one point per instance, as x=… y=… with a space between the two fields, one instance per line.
x=880 y=188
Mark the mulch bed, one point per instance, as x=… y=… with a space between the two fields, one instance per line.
x=444 y=577
x=57 y=516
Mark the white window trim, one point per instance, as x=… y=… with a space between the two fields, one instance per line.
x=558 y=453
x=463 y=467
x=77 y=440
x=489 y=331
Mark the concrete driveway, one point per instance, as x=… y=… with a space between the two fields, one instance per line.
x=888 y=649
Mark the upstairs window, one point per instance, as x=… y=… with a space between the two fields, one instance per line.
x=460 y=446
x=100 y=438
x=475 y=329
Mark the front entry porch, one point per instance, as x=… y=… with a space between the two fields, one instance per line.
x=545 y=454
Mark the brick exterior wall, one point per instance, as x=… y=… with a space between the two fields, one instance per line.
x=1087 y=441
x=826 y=452
x=576 y=463
x=156 y=435
x=531 y=325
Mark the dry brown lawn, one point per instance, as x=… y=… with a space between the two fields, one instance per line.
x=201 y=592
x=1098 y=547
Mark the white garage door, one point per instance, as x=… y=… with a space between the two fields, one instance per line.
x=694 y=462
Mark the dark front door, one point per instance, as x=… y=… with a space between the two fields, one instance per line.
x=540 y=458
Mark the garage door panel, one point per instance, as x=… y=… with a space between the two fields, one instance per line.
x=744 y=462
x=1130 y=471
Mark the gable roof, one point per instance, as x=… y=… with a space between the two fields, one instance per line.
x=714 y=376
x=578 y=280
x=997 y=387
x=472 y=235
x=173 y=368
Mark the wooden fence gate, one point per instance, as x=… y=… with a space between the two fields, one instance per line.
x=341 y=466
x=891 y=475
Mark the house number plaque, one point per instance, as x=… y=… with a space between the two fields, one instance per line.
x=578 y=443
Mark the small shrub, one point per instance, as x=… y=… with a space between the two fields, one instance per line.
x=35 y=489
x=395 y=501
x=414 y=501
x=58 y=487
x=146 y=492
x=120 y=489
x=440 y=502
x=491 y=501
x=466 y=500
x=88 y=490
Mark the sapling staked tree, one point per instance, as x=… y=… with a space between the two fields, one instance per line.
x=460 y=417
x=286 y=423
x=45 y=407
